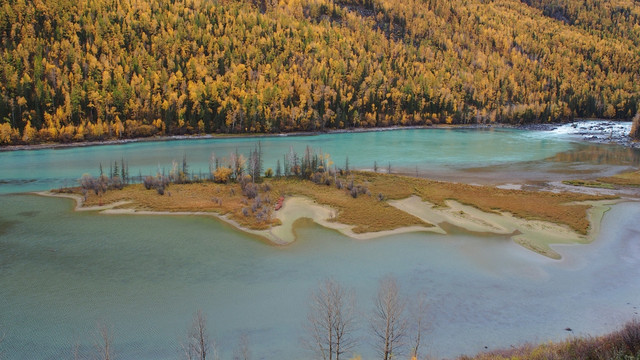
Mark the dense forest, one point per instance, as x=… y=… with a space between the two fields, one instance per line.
x=107 y=69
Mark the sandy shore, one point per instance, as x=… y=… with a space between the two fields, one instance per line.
x=535 y=235
x=532 y=234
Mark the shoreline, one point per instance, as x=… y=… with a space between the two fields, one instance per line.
x=535 y=235
x=164 y=138
x=620 y=138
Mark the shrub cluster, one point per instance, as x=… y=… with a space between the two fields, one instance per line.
x=159 y=183
x=101 y=184
x=623 y=344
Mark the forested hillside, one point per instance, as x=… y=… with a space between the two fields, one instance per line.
x=98 y=69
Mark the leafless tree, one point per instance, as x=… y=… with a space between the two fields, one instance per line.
x=420 y=325
x=389 y=323
x=198 y=344
x=242 y=352
x=104 y=343
x=331 y=322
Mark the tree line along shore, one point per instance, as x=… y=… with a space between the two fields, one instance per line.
x=102 y=70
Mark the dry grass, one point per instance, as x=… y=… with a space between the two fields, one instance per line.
x=624 y=179
x=623 y=344
x=367 y=213
x=589 y=183
x=198 y=197
x=631 y=178
x=532 y=205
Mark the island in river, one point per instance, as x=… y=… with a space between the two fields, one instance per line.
x=365 y=205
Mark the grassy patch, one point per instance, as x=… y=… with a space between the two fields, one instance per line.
x=631 y=178
x=366 y=212
x=623 y=344
x=624 y=179
x=538 y=205
x=223 y=199
x=589 y=183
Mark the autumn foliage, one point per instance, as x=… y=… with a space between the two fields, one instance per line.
x=93 y=70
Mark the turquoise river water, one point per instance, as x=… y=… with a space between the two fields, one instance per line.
x=62 y=272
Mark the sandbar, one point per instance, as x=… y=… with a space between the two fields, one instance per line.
x=535 y=235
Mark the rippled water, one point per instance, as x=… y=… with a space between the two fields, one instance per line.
x=64 y=272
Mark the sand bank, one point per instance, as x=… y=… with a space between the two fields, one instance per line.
x=300 y=207
x=535 y=235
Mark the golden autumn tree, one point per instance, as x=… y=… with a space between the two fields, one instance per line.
x=94 y=70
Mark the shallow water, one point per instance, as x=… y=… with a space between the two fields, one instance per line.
x=64 y=272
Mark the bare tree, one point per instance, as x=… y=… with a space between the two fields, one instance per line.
x=389 y=322
x=331 y=320
x=418 y=311
x=104 y=343
x=198 y=343
x=242 y=352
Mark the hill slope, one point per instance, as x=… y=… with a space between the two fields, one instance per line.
x=126 y=68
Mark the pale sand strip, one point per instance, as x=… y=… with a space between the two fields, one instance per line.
x=295 y=208
x=535 y=235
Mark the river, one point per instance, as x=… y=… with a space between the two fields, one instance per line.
x=63 y=272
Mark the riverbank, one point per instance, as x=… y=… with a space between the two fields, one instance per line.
x=223 y=136
x=598 y=131
x=621 y=344
x=367 y=205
